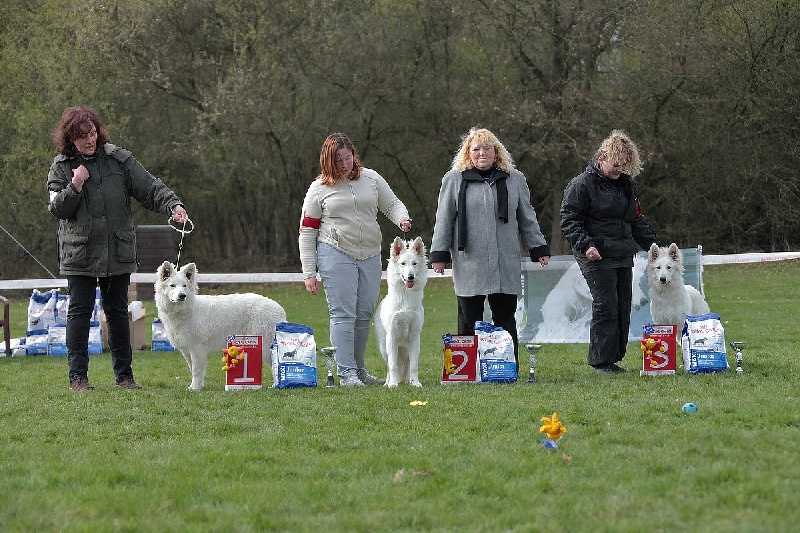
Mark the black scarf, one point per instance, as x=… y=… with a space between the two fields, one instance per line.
x=493 y=175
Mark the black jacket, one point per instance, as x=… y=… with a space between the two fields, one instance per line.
x=592 y=215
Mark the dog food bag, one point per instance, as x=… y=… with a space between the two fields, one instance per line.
x=703 y=344
x=41 y=315
x=496 y=361
x=36 y=342
x=42 y=309
x=294 y=356
x=62 y=306
x=160 y=342
x=57 y=339
x=95 y=346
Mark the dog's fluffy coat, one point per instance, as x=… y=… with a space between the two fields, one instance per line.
x=198 y=324
x=670 y=298
x=400 y=315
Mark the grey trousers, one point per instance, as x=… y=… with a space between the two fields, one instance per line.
x=352 y=288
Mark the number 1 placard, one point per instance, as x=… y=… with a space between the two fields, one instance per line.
x=246 y=374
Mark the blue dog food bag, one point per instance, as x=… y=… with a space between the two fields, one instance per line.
x=160 y=342
x=496 y=362
x=95 y=338
x=294 y=356
x=57 y=339
x=703 y=344
x=41 y=315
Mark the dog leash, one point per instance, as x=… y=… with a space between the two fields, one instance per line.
x=184 y=232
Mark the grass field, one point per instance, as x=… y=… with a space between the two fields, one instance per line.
x=166 y=459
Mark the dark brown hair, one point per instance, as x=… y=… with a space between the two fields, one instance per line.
x=76 y=122
x=327 y=158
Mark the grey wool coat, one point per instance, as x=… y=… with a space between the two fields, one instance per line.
x=490 y=260
x=96 y=236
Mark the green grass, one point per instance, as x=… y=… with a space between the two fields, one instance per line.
x=166 y=459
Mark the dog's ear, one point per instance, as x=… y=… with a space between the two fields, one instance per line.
x=419 y=246
x=674 y=252
x=653 y=254
x=165 y=270
x=190 y=271
x=397 y=247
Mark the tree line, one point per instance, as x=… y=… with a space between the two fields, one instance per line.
x=228 y=102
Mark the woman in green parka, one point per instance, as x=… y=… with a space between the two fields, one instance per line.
x=91 y=183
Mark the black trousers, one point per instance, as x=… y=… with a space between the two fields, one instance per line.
x=503 y=306
x=114 y=294
x=611 y=291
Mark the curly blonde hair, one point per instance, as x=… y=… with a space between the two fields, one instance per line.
x=461 y=160
x=619 y=149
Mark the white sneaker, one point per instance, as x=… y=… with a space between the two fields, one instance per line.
x=350 y=381
x=368 y=379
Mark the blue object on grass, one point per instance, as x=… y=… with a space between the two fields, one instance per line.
x=550 y=444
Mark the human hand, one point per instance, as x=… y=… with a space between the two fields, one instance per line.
x=79 y=177
x=438 y=267
x=312 y=286
x=405 y=224
x=179 y=214
x=592 y=254
x=544 y=260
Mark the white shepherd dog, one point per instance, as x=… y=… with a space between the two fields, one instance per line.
x=197 y=325
x=400 y=315
x=670 y=298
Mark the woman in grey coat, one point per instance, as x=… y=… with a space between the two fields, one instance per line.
x=483 y=210
x=91 y=183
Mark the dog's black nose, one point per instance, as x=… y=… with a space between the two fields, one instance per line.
x=181 y=297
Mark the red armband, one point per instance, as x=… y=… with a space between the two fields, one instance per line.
x=309 y=222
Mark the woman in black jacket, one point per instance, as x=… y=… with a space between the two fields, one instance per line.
x=602 y=219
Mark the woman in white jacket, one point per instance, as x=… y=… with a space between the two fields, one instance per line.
x=340 y=237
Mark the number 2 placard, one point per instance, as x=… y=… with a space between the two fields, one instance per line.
x=460 y=362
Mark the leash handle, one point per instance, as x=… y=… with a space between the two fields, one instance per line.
x=405 y=233
x=184 y=232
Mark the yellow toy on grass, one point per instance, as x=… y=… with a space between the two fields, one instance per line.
x=552 y=427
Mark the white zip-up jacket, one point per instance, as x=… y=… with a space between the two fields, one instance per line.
x=345 y=216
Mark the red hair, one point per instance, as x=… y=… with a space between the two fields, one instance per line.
x=327 y=158
x=75 y=123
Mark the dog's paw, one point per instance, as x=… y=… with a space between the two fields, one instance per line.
x=391 y=384
x=416 y=383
